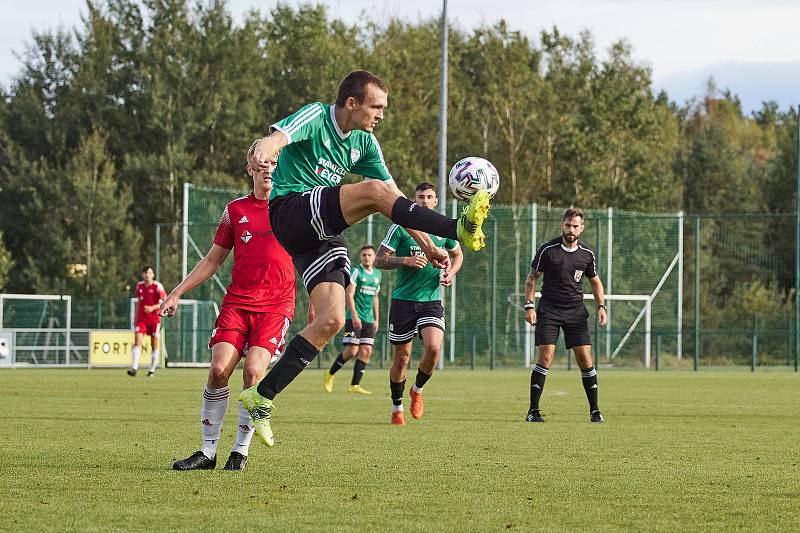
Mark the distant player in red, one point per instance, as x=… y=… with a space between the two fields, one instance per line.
x=255 y=316
x=149 y=294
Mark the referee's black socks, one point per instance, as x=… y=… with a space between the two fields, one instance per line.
x=589 y=378
x=407 y=214
x=538 y=375
x=298 y=354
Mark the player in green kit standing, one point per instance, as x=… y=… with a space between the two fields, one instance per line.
x=361 y=320
x=308 y=209
x=416 y=305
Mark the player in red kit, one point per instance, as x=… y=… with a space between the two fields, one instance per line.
x=149 y=295
x=255 y=316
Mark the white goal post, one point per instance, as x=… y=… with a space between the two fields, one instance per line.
x=645 y=313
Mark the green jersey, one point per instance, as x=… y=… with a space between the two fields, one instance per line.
x=415 y=284
x=320 y=154
x=367 y=286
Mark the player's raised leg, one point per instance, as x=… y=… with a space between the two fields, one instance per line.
x=359 y=200
x=583 y=356
x=224 y=357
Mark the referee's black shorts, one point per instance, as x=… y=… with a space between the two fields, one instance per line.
x=573 y=320
x=309 y=225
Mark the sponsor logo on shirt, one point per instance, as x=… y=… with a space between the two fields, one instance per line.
x=246 y=236
x=578 y=275
x=328 y=170
x=327 y=143
x=355 y=155
x=243 y=220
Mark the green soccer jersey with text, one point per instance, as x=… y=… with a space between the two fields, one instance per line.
x=367 y=286
x=415 y=284
x=319 y=153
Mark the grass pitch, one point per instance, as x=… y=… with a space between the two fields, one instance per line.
x=92 y=450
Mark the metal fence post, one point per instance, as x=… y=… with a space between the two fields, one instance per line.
x=492 y=360
x=696 y=291
x=679 y=348
x=753 y=358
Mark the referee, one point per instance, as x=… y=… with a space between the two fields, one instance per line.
x=564 y=262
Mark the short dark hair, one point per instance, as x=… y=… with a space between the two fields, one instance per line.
x=355 y=85
x=148 y=267
x=366 y=247
x=424 y=186
x=571 y=213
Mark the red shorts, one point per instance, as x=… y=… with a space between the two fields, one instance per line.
x=247 y=328
x=148 y=328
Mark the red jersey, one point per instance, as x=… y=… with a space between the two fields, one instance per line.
x=149 y=295
x=262 y=279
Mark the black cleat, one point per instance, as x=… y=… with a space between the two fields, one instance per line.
x=534 y=415
x=150 y=374
x=236 y=461
x=596 y=416
x=196 y=461
x=131 y=372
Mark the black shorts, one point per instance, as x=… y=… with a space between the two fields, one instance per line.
x=573 y=320
x=407 y=318
x=365 y=335
x=309 y=225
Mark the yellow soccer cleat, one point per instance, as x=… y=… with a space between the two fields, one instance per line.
x=260 y=410
x=328 y=383
x=469 y=229
x=358 y=389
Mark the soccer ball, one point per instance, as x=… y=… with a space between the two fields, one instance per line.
x=472 y=174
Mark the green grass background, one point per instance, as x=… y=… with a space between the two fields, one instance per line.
x=92 y=450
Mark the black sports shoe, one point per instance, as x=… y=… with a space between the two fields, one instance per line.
x=534 y=415
x=196 y=461
x=236 y=461
x=150 y=374
x=596 y=416
x=131 y=372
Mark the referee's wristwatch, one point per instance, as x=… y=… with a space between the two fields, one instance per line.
x=529 y=304
x=603 y=306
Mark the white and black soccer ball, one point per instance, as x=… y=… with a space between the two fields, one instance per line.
x=471 y=175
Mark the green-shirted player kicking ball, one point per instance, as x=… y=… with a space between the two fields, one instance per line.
x=416 y=305
x=361 y=320
x=309 y=210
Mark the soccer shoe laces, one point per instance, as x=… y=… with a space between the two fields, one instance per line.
x=262 y=412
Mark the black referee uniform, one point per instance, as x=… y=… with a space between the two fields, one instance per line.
x=561 y=305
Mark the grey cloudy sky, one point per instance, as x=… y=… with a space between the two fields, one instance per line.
x=750 y=47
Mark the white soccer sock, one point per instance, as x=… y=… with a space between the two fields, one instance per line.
x=153 y=360
x=135 y=358
x=396 y=408
x=415 y=388
x=245 y=432
x=215 y=402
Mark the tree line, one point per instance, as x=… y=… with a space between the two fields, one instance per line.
x=104 y=122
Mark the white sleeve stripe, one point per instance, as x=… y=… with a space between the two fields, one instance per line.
x=314 y=110
x=389 y=236
x=280 y=129
x=541 y=255
x=594 y=259
x=295 y=126
x=226 y=218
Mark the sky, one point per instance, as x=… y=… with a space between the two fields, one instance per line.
x=748 y=47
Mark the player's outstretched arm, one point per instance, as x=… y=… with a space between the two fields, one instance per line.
x=456 y=261
x=202 y=271
x=600 y=299
x=386 y=261
x=267 y=148
x=530 y=296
